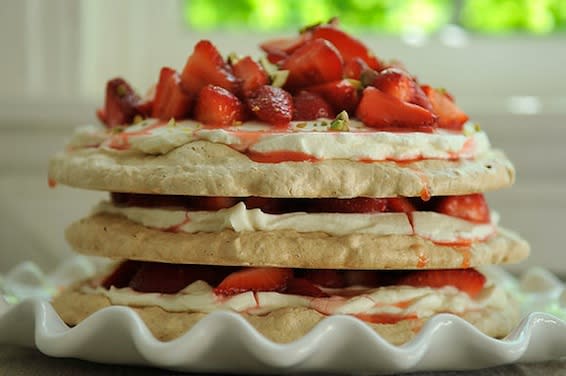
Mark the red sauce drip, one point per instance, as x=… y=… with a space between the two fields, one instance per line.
x=385 y=318
x=52 y=183
x=177 y=228
x=281 y=156
x=455 y=243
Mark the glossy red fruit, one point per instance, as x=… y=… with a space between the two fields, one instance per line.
x=255 y=279
x=120 y=105
x=367 y=278
x=469 y=281
x=311 y=106
x=171 y=100
x=330 y=278
x=250 y=73
x=122 y=274
x=450 y=116
x=271 y=104
x=218 y=107
x=349 y=205
x=304 y=287
x=211 y=203
x=342 y=95
x=206 y=66
x=284 y=46
x=348 y=46
x=171 y=278
x=315 y=62
x=266 y=204
x=471 y=207
x=401 y=85
x=400 y=205
x=353 y=68
x=379 y=110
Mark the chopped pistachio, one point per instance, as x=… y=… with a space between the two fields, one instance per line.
x=137 y=119
x=471 y=128
x=279 y=78
x=302 y=125
x=367 y=77
x=324 y=124
x=121 y=90
x=341 y=123
x=117 y=130
x=355 y=83
x=172 y=123
x=233 y=58
x=268 y=66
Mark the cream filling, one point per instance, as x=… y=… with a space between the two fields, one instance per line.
x=395 y=300
x=430 y=225
x=312 y=138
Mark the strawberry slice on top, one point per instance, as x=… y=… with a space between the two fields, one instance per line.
x=120 y=105
x=250 y=73
x=310 y=106
x=255 y=279
x=218 y=107
x=471 y=207
x=315 y=62
x=171 y=100
x=399 y=84
x=271 y=104
x=342 y=95
x=206 y=66
x=469 y=281
x=450 y=116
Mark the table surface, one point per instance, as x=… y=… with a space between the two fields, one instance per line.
x=25 y=361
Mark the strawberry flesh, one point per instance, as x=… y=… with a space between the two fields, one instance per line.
x=218 y=107
x=450 y=116
x=311 y=106
x=400 y=205
x=469 y=281
x=121 y=104
x=315 y=62
x=353 y=68
x=170 y=101
x=271 y=104
x=304 y=287
x=206 y=66
x=254 y=279
x=251 y=74
x=471 y=207
x=342 y=95
x=379 y=110
x=349 y=205
x=330 y=278
x=399 y=84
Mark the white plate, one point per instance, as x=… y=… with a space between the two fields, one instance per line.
x=224 y=342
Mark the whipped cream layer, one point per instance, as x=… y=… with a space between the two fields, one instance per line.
x=402 y=301
x=313 y=138
x=429 y=225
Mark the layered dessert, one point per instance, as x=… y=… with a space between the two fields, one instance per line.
x=317 y=180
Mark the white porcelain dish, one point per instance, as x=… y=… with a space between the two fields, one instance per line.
x=224 y=342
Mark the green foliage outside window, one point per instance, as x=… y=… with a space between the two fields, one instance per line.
x=389 y=16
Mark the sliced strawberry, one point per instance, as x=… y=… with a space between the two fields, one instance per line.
x=255 y=279
x=304 y=287
x=399 y=84
x=331 y=278
x=211 y=203
x=367 y=278
x=122 y=275
x=342 y=95
x=120 y=106
x=171 y=278
x=469 y=281
x=170 y=101
x=311 y=106
x=315 y=62
x=218 y=107
x=379 y=110
x=271 y=104
x=267 y=205
x=284 y=46
x=450 y=116
x=471 y=207
x=353 y=68
x=348 y=46
x=206 y=66
x=251 y=74
x=400 y=205
x=349 y=205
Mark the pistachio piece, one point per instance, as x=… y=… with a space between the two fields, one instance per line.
x=341 y=123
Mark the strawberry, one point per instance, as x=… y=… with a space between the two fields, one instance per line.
x=265 y=204
x=271 y=104
x=367 y=278
x=170 y=99
x=341 y=95
x=255 y=279
x=120 y=106
x=310 y=106
x=331 y=278
x=400 y=205
x=122 y=275
x=210 y=203
x=449 y=115
x=284 y=46
x=313 y=63
x=304 y=287
x=251 y=74
x=469 y=281
x=397 y=83
x=379 y=110
x=348 y=46
x=353 y=68
x=471 y=207
x=206 y=66
x=349 y=205
x=218 y=107
x=171 y=278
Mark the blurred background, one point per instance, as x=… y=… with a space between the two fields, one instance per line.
x=504 y=60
